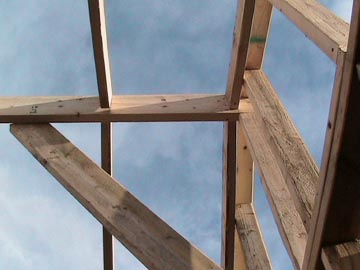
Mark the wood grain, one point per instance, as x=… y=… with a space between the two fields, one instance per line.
x=342 y=257
x=150 y=239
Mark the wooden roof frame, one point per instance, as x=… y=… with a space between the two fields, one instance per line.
x=316 y=210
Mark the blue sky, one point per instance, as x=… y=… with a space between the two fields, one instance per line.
x=176 y=169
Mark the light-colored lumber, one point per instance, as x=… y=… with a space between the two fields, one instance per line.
x=336 y=216
x=342 y=257
x=322 y=26
x=107 y=165
x=97 y=14
x=127 y=108
x=244 y=170
x=149 y=238
x=245 y=12
x=286 y=216
x=259 y=34
x=244 y=190
x=248 y=229
x=291 y=154
x=229 y=196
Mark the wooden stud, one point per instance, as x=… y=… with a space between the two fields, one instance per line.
x=128 y=108
x=259 y=34
x=322 y=26
x=336 y=213
x=107 y=165
x=291 y=154
x=342 y=257
x=148 y=237
x=240 y=46
x=286 y=216
x=229 y=195
x=97 y=12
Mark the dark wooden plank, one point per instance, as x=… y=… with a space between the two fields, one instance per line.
x=344 y=256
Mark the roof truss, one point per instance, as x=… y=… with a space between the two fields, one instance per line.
x=306 y=202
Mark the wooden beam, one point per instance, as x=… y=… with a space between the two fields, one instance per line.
x=328 y=31
x=244 y=193
x=128 y=108
x=251 y=239
x=291 y=154
x=97 y=14
x=342 y=257
x=229 y=195
x=259 y=34
x=240 y=46
x=148 y=237
x=288 y=220
x=107 y=165
x=336 y=213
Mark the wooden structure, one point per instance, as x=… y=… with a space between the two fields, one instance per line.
x=317 y=210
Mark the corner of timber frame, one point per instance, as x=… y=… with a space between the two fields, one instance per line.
x=316 y=210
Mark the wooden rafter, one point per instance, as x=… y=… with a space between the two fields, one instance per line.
x=149 y=238
x=97 y=14
x=290 y=152
x=128 y=108
x=327 y=30
x=344 y=256
x=240 y=46
x=286 y=216
x=336 y=214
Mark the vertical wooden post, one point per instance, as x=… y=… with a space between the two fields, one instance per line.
x=106 y=164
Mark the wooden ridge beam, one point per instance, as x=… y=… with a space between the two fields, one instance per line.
x=148 y=237
x=251 y=240
x=291 y=154
x=107 y=165
x=342 y=256
x=242 y=32
x=97 y=14
x=126 y=108
x=322 y=26
x=286 y=216
x=336 y=213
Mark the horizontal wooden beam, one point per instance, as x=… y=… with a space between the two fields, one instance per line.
x=321 y=25
x=286 y=216
x=148 y=237
x=101 y=51
x=127 y=108
x=342 y=257
x=291 y=154
x=251 y=240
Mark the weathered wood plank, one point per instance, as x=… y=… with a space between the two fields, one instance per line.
x=229 y=195
x=328 y=31
x=288 y=220
x=336 y=213
x=342 y=257
x=97 y=14
x=239 y=52
x=251 y=239
x=127 y=108
x=107 y=165
x=259 y=34
x=291 y=154
x=150 y=239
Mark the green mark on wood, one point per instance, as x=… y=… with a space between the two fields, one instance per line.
x=257 y=40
